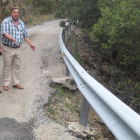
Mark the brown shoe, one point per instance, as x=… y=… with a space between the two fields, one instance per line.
x=6 y=88
x=0 y=91
x=18 y=86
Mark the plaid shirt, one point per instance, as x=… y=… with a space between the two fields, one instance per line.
x=19 y=32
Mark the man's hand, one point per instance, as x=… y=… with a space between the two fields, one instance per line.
x=0 y=50
x=14 y=40
x=32 y=47
x=27 y=39
x=10 y=38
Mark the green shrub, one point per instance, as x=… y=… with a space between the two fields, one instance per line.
x=44 y=6
x=62 y=23
x=117 y=32
x=76 y=51
x=51 y=110
x=82 y=13
x=6 y=12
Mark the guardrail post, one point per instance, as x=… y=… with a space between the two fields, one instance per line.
x=84 y=112
x=85 y=106
x=63 y=35
x=67 y=30
x=69 y=27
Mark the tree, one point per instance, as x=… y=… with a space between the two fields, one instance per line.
x=118 y=32
x=83 y=13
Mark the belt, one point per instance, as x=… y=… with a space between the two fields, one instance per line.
x=10 y=46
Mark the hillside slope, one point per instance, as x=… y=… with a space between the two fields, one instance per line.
x=31 y=11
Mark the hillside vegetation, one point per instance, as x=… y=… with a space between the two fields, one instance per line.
x=31 y=11
x=114 y=29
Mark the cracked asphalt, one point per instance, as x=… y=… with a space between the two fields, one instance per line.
x=22 y=114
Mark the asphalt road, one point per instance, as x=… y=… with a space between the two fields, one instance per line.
x=22 y=114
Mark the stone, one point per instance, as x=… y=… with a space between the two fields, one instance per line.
x=80 y=131
x=91 y=59
x=67 y=82
x=68 y=101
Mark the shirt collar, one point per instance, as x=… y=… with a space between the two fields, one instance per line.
x=19 y=21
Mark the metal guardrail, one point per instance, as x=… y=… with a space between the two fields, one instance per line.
x=122 y=121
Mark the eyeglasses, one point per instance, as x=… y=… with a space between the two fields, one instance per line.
x=15 y=13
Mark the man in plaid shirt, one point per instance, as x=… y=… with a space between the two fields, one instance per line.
x=13 y=31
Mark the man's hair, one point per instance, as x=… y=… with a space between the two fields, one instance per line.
x=14 y=9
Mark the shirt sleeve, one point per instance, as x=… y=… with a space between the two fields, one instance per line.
x=4 y=27
x=26 y=34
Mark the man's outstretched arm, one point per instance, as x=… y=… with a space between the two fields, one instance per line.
x=27 y=39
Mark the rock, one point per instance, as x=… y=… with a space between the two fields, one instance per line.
x=82 y=47
x=98 y=119
x=68 y=101
x=80 y=131
x=66 y=81
x=103 y=139
x=91 y=59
